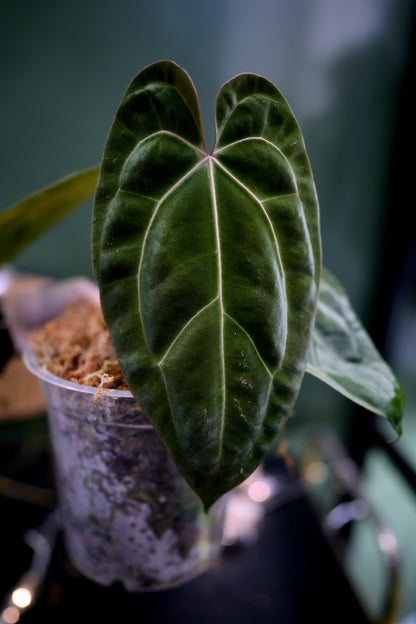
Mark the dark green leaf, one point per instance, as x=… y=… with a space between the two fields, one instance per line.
x=343 y=356
x=21 y=224
x=208 y=267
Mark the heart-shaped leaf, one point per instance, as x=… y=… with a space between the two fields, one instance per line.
x=344 y=356
x=21 y=224
x=208 y=267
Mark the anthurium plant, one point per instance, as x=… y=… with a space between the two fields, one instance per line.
x=209 y=271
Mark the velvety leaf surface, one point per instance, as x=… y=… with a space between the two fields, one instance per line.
x=343 y=356
x=208 y=267
x=21 y=224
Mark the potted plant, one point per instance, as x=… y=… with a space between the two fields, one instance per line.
x=209 y=271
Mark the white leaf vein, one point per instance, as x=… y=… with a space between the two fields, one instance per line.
x=247 y=140
x=241 y=328
x=260 y=204
x=238 y=103
x=175 y=136
x=172 y=189
x=184 y=328
x=220 y=297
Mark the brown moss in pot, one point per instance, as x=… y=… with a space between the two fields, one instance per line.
x=76 y=346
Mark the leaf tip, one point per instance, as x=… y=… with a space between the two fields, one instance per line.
x=396 y=410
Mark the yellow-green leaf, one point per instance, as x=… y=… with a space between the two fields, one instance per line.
x=21 y=224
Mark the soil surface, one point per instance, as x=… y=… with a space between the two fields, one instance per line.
x=76 y=346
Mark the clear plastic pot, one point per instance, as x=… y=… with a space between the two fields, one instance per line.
x=127 y=513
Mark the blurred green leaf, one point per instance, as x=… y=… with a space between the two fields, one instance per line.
x=21 y=224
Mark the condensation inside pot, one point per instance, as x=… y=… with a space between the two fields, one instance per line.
x=128 y=514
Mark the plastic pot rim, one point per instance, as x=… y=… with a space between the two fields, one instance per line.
x=30 y=361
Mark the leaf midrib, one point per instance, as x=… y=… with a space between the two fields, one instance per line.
x=220 y=300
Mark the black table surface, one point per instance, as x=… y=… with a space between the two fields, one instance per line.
x=289 y=575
